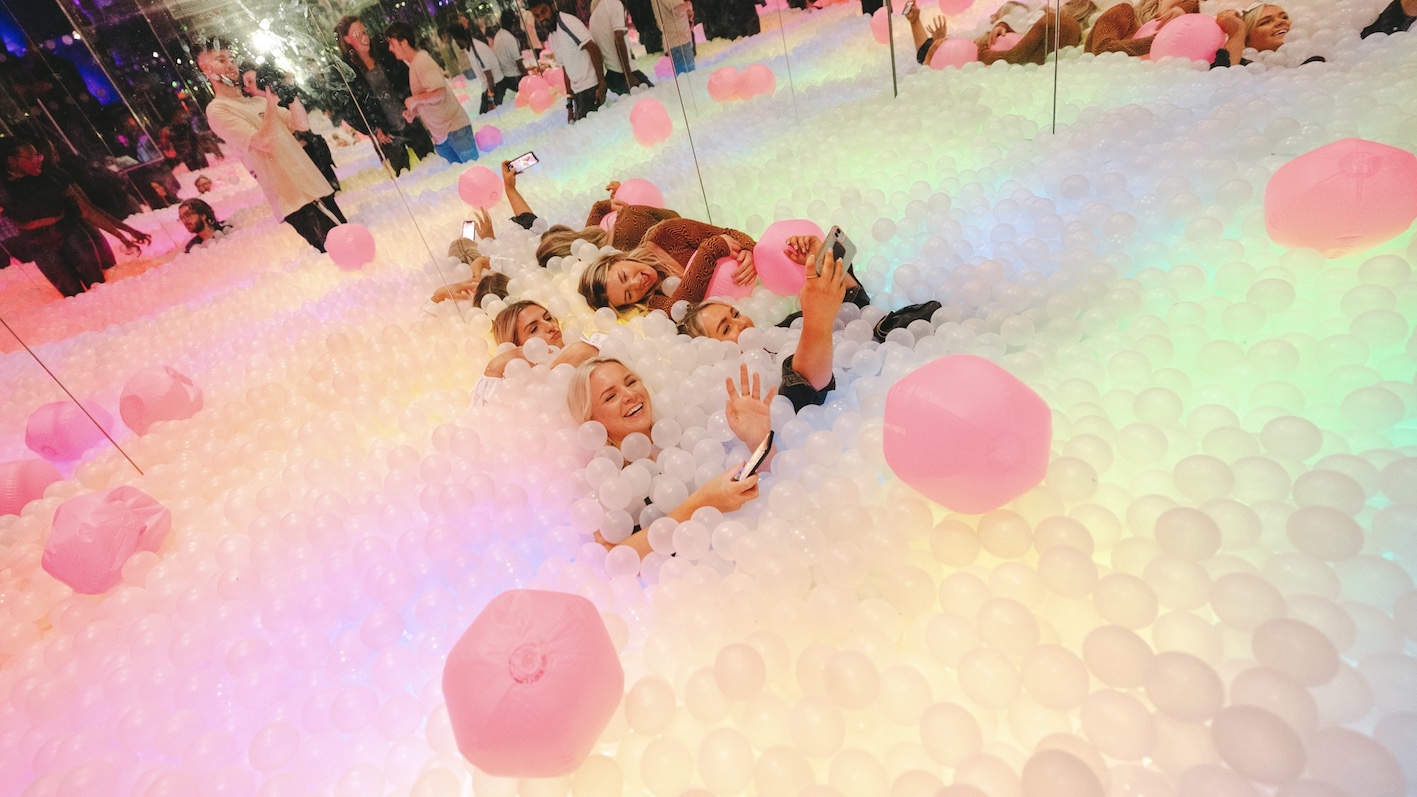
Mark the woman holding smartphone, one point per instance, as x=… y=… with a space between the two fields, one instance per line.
x=607 y=391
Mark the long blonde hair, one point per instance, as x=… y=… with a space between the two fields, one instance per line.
x=593 y=279
x=557 y=241
x=504 y=326
x=578 y=398
x=692 y=324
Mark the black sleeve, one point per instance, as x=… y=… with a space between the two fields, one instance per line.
x=1392 y=20
x=1222 y=59
x=525 y=220
x=799 y=391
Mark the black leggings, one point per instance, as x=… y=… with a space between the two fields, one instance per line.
x=315 y=220
x=72 y=254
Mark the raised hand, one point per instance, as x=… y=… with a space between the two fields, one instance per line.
x=823 y=292
x=802 y=248
x=749 y=412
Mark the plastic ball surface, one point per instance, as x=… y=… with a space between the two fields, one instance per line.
x=22 y=481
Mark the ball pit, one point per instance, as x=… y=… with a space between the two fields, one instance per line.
x=1217 y=563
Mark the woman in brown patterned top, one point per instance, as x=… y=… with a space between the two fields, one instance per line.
x=683 y=248
x=1117 y=26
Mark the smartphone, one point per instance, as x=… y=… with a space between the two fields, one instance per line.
x=908 y=7
x=469 y=230
x=523 y=162
x=756 y=460
x=840 y=246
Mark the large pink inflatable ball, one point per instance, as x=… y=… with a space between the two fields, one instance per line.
x=1342 y=198
x=541 y=101
x=722 y=286
x=489 y=137
x=880 y=26
x=651 y=122
x=1194 y=36
x=949 y=7
x=351 y=246
x=755 y=81
x=607 y=222
x=967 y=434
x=555 y=79
x=955 y=53
x=664 y=68
x=778 y=273
x=1006 y=42
x=61 y=432
x=723 y=84
x=531 y=684
x=532 y=84
x=480 y=187
x=23 y=481
x=159 y=394
x=94 y=534
x=639 y=191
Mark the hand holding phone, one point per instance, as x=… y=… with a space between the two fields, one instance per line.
x=755 y=461
x=523 y=162
x=840 y=247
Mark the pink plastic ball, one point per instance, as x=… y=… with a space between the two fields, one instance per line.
x=555 y=79
x=651 y=122
x=351 y=246
x=664 y=68
x=756 y=80
x=479 y=186
x=954 y=52
x=880 y=26
x=955 y=6
x=159 y=394
x=531 y=684
x=489 y=137
x=722 y=285
x=607 y=222
x=723 y=84
x=532 y=84
x=1006 y=42
x=541 y=101
x=777 y=273
x=94 y=534
x=61 y=432
x=1194 y=36
x=23 y=481
x=1343 y=197
x=967 y=434
x=639 y=191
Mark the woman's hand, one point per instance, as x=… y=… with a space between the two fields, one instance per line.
x=913 y=15
x=822 y=294
x=482 y=222
x=1168 y=16
x=746 y=273
x=724 y=494
x=802 y=248
x=480 y=267
x=1230 y=21
x=383 y=138
x=749 y=412
x=139 y=237
x=612 y=187
x=509 y=175
x=460 y=290
x=936 y=29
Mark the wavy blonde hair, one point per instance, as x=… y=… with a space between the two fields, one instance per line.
x=557 y=241
x=593 y=280
x=504 y=326
x=692 y=324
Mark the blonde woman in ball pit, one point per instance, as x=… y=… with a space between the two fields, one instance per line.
x=605 y=390
x=518 y=324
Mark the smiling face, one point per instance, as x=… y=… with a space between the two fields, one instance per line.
x=219 y=67
x=357 y=37
x=204 y=184
x=535 y=321
x=1270 y=29
x=723 y=322
x=627 y=282
x=620 y=401
x=191 y=219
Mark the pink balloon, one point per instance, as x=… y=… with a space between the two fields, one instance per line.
x=23 y=481
x=1148 y=29
x=1006 y=42
x=664 y=68
x=639 y=191
x=533 y=83
x=555 y=79
x=479 y=186
x=722 y=284
x=777 y=273
x=1343 y=197
x=488 y=138
x=1194 y=36
x=954 y=52
x=607 y=222
x=541 y=101
x=755 y=80
x=967 y=434
x=523 y=96
x=61 y=432
x=652 y=124
x=723 y=84
x=531 y=684
x=351 y=246
x=94 y=534
x=955 y=6
x=880 y=27
x=458 y=82
x=159 y=394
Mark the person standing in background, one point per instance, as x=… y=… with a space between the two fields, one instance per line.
x=431 y=99
x=376 y=94
x=484 y=65
x=676 y=22
x=608 y=27
x=509 y=52
x=262 y=132
x=580 y=58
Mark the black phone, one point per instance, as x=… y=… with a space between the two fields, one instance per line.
x=523 y=162
x=756 y=460
x=841 y=248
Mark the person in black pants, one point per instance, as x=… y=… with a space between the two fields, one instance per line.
x=58 y=228
x=378 y=85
